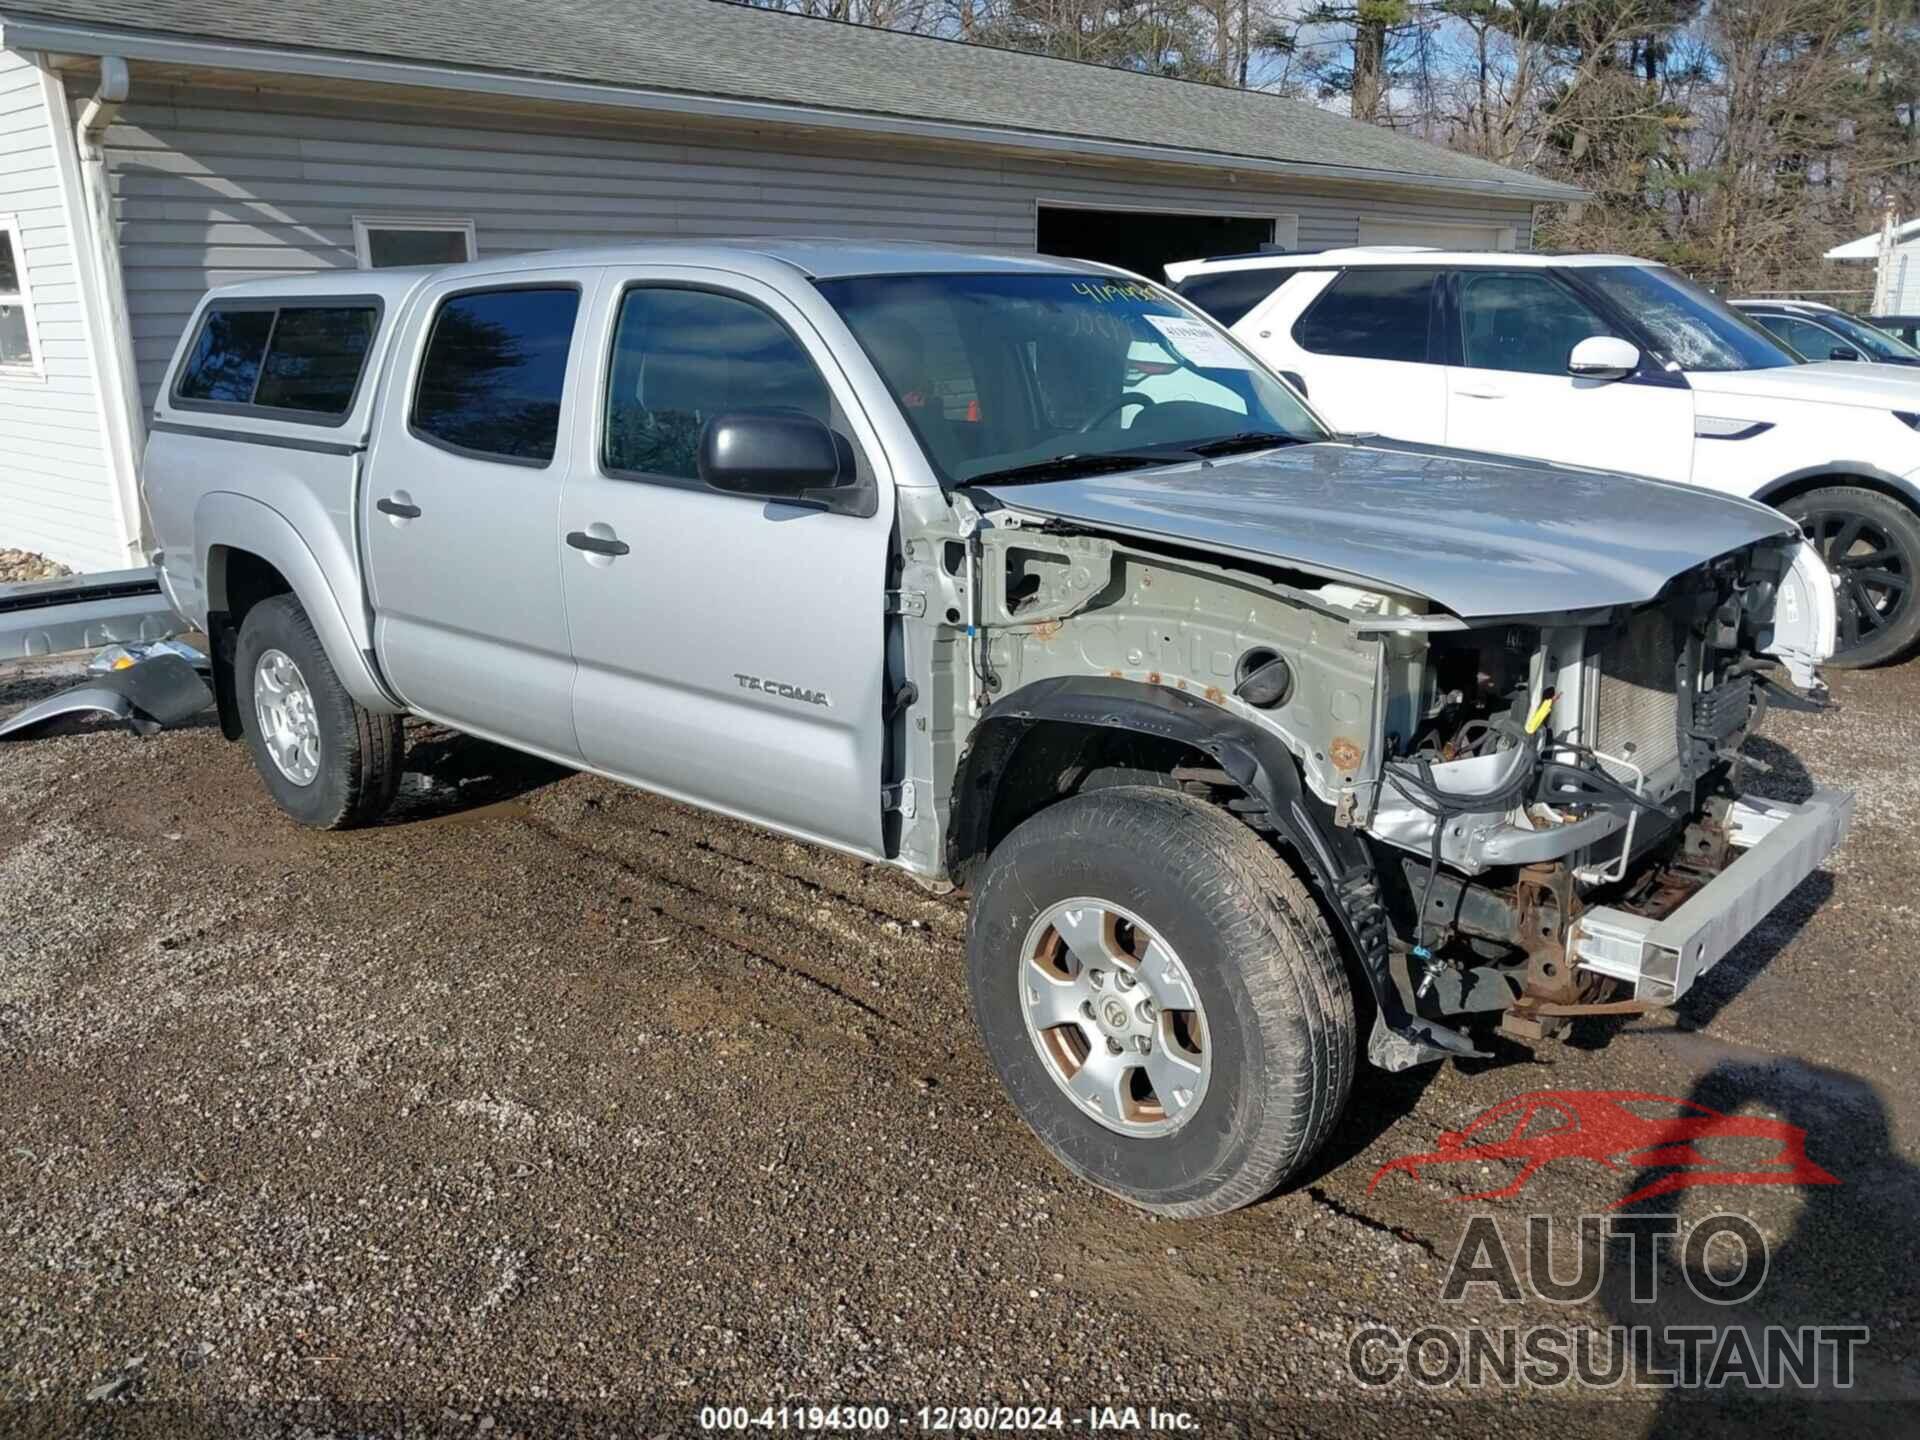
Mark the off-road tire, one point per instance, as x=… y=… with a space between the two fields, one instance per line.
x=361 y=753
x=1900 y=527
x=1279 y=1009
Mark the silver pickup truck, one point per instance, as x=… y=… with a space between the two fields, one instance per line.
x=1249 y=740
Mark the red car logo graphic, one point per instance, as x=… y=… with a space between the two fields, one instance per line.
x=1620 y=1129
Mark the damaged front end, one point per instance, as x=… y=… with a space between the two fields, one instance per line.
x=1559 y=810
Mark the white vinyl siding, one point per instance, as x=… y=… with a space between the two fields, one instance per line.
x=56 y=489
x=214 y=185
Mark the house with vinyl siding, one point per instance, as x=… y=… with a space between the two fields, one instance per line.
x=151 y=149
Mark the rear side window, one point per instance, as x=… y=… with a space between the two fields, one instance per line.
x=1227 y=295
x=681 y=357
x=288 y=362
x=495 y=367
x=1371 y=315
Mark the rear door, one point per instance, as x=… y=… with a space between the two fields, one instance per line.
x=730 y=650
x=1364 y=347
x=461 y=507
x=1509 y=392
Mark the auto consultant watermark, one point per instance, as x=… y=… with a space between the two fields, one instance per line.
x=1710 y=1271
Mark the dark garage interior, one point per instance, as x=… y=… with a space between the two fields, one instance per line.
x=1144 y=241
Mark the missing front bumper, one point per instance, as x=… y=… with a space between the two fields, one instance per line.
x=1661 y=959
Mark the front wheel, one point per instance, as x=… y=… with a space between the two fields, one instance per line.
x=1872 y=545
x=1162 y=999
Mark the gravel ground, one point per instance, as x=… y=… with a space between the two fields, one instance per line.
x=17 y=565
x=553 y=1103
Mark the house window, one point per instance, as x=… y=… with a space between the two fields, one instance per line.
x=381 y=243
x=19 y=349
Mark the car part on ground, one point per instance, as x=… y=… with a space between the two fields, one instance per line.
x=80 y=612
x=148 y=695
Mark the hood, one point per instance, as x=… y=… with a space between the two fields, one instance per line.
x=1482 y=536
x=1826 y=382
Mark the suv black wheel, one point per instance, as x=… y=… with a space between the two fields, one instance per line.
x=1872 y=545
x=328 y=762
x=1162 y=999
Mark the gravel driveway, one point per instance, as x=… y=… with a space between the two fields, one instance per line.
x=552 y=1103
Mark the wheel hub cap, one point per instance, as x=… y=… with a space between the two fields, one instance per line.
x=1115 y=1018
x=289 y=728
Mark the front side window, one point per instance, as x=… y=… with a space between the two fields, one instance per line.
x=1005 y=372
x=1869 y=338
x=1521 y=321
x=681 y=357
x=494 y=371
x=16 y=311
x=1371 y=315
x=1692 y=328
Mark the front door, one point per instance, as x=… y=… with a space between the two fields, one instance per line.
x=460 y=506
x=1509 y=391
x=730 y=650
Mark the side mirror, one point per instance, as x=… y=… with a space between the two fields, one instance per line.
x=1603 y=357
x=1296 y=380
x=1841 y=352
x=785 y=456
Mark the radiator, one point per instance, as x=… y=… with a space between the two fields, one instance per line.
x=1636 y=706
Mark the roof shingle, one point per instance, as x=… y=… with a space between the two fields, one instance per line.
x=707 y=47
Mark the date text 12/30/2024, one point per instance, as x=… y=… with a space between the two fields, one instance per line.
x=946 y=1419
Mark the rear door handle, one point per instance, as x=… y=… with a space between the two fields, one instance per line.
x=401 y=508
x=580 y=540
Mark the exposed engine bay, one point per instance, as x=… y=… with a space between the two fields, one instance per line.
x=1536 y=798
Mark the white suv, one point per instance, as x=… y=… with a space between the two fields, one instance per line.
x=1606 y=361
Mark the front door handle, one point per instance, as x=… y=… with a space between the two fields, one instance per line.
x=580 y=540
x=1482 y=394
x=388 y=506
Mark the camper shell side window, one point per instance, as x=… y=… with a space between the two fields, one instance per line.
x=301 y=359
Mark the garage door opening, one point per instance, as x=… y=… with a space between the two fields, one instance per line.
x=1144 y=241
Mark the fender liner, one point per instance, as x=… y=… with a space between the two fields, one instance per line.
x=1338 y=861
x=239 y=522
x=1899 y=487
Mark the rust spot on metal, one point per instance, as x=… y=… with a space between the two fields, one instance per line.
x=1115 y=675
x=1153 y=677
x=1216 y=695
x=1046 y=630
x=1180 y=684
x=1344 y=753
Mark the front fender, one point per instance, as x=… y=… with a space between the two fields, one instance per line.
x=224 y=519
x=1338 y=861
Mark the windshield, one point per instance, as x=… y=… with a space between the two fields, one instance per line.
x=1876 y=343
x=1000 y=373
x=1690 y=326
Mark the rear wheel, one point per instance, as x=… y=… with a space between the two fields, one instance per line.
x=1872 y=545
x=1162 y=999
x=327 y=761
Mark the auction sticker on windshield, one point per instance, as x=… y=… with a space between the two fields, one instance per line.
x=1199 y=343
